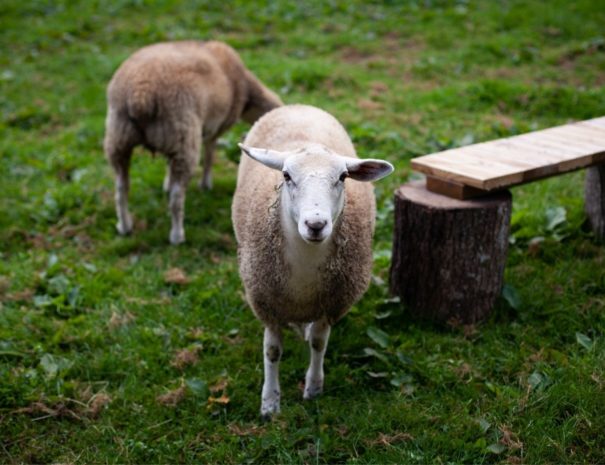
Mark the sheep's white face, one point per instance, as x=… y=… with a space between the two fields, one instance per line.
x=314 y=183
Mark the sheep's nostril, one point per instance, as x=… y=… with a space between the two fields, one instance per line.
x=316 y=226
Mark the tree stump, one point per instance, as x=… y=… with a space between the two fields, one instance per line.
x=594 y=195
x=449 y=255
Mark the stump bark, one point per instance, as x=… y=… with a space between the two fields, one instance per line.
x=449 y=255
x=594 y=197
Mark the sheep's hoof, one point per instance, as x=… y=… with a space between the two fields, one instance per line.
x=268 y=411
x=270 y=405
x=177 y=237
x=124 y=228
x=313 y=389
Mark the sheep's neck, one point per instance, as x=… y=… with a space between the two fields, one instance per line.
x=304 y=261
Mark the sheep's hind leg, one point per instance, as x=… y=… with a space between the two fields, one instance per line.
x=124 y=224
x=180 y=172
x=120 y=161
x=120 y=138
x=272 y=350
x=206 y=182
x=166 y=182
x=319 y=334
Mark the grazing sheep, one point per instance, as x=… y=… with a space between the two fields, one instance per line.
x=172 y=98
x=304 y=233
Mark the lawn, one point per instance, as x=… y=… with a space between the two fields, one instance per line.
x=109 y=355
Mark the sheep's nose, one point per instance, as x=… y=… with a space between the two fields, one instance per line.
x=316 y=226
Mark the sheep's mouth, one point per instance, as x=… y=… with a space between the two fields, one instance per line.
x=314 y=239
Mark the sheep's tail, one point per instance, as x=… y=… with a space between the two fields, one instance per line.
x=141 y=103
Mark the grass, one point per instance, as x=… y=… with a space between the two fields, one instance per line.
x=102 y=360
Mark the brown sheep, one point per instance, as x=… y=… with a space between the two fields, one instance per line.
x=171 y=98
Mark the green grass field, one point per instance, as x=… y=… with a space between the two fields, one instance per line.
x=104 y=361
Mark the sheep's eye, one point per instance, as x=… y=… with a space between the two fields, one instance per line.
x=343 y=176
x=287 y=177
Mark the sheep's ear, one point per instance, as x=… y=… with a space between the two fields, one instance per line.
x=270 y=158
x=368 y=169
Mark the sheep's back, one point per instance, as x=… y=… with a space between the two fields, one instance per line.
x=166 y=80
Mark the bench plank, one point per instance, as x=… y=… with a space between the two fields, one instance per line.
x=502 y=163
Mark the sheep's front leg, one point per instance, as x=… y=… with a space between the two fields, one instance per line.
x=272 y=350
x=209 y=147
x=319 y=334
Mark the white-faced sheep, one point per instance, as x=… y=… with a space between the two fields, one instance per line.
x=304 y=232
x=173 y=97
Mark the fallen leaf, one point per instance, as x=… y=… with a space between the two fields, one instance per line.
x=378 y=87
x=219 y=386
x=469 y=331
x=537 y=356
x=510 y=439
x=253 y=430
x=4 y=284
x=196 y=333
x=58 y=410
x=172 y=398
x=186 y=357
x=454 y=322
x=98 y=402
x=222 y=400
x=175 y=276
x=387 y=440
x=20 y=296
x=120 y=319
x=464 y=370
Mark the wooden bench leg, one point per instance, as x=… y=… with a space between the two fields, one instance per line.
x=449 y=255
x=594 y=190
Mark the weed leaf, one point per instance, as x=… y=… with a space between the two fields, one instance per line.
x=378 y=336
x=584 y=341
x=496 y=448
x=374 y=353
x=511 y=296
x=555 y=216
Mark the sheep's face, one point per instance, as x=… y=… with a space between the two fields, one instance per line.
x=314 y=184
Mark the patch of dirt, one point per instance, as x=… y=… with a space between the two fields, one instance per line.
x=394 y=50
x=369 y=105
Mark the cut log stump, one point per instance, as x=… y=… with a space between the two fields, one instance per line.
x=595 y=199
x=449 y=255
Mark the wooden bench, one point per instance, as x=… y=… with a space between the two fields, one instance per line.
x=451 y=232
